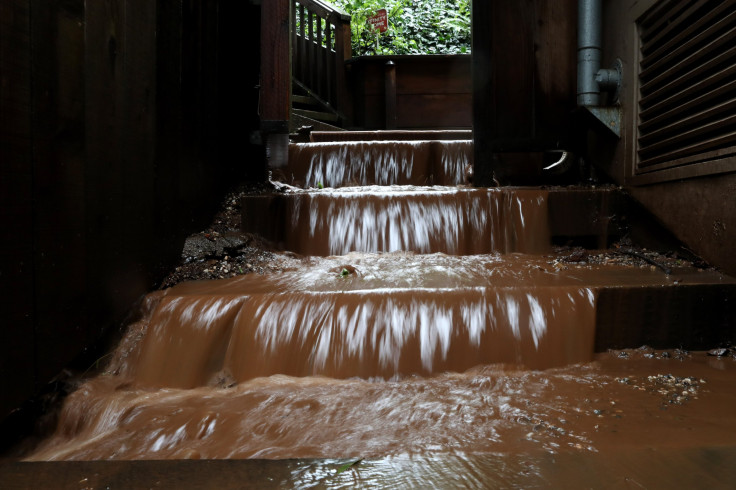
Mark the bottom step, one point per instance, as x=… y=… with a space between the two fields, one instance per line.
x=665 y=467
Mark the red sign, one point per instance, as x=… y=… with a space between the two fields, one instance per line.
x=379 y=21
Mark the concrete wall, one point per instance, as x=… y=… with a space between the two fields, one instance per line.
x=122 y=124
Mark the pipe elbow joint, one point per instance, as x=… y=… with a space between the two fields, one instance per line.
x=608 y=79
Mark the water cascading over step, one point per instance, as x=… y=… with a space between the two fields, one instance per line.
x=452 y=220
x=391 y=317
x=399 y=331
x=361 y=163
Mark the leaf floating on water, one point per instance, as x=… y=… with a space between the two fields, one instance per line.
x=347 y=466
x=345 y=270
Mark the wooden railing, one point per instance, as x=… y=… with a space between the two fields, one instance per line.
x=320 y=46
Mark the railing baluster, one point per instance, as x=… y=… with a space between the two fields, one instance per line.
x=329 y=64
x=321 y=41
x=320 y=67
x=310 y=63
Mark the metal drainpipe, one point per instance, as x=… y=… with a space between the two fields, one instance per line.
x=591 y=78
x=589 y=51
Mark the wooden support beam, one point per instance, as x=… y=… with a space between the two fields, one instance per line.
x=275 y=79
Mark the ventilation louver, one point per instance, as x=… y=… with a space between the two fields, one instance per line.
x=687 y=83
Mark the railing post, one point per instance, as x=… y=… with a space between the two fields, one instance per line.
x=275 y=103
x=343 y=52
x=390 y=94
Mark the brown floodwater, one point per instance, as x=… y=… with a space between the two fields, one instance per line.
x=603 y=405
x=398 y=369
x=333 y=358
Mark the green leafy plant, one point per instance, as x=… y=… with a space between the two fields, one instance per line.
x=414 y=26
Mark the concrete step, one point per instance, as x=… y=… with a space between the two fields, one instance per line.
x=318 y=115
x=350 y=163
x=406 y=135
x=396 y=315
x=656 y=466
x=452 y=220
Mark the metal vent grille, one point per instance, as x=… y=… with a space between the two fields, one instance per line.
x=687 y=83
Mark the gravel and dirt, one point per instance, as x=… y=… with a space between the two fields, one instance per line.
x=222 y=250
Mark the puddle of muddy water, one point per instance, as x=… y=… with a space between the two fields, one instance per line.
x=673 y=403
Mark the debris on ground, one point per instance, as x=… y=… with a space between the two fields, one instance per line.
x=623 y=254
x=223 y=250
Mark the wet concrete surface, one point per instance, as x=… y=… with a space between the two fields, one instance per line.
x=705 y=467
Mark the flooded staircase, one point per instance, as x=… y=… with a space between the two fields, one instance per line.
x=416 y=315
x=359 y=197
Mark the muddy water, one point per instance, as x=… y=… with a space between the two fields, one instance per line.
x=360 y=163
x=364 y=316
x=332 y=359
x=458 y=221
x=606 y=406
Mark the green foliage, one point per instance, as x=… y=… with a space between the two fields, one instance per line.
x=414 y=26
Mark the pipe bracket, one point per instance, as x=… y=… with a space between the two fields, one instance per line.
x=609 y=116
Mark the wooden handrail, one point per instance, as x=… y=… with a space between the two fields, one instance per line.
x=320 y=46
x=326 y=11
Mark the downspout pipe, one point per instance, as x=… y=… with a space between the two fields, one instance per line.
x=590 y=25
x=592 y=79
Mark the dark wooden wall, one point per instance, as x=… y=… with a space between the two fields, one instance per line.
x=123 y=122
x=432 y=92
x=698 y=208
x=524 y=81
